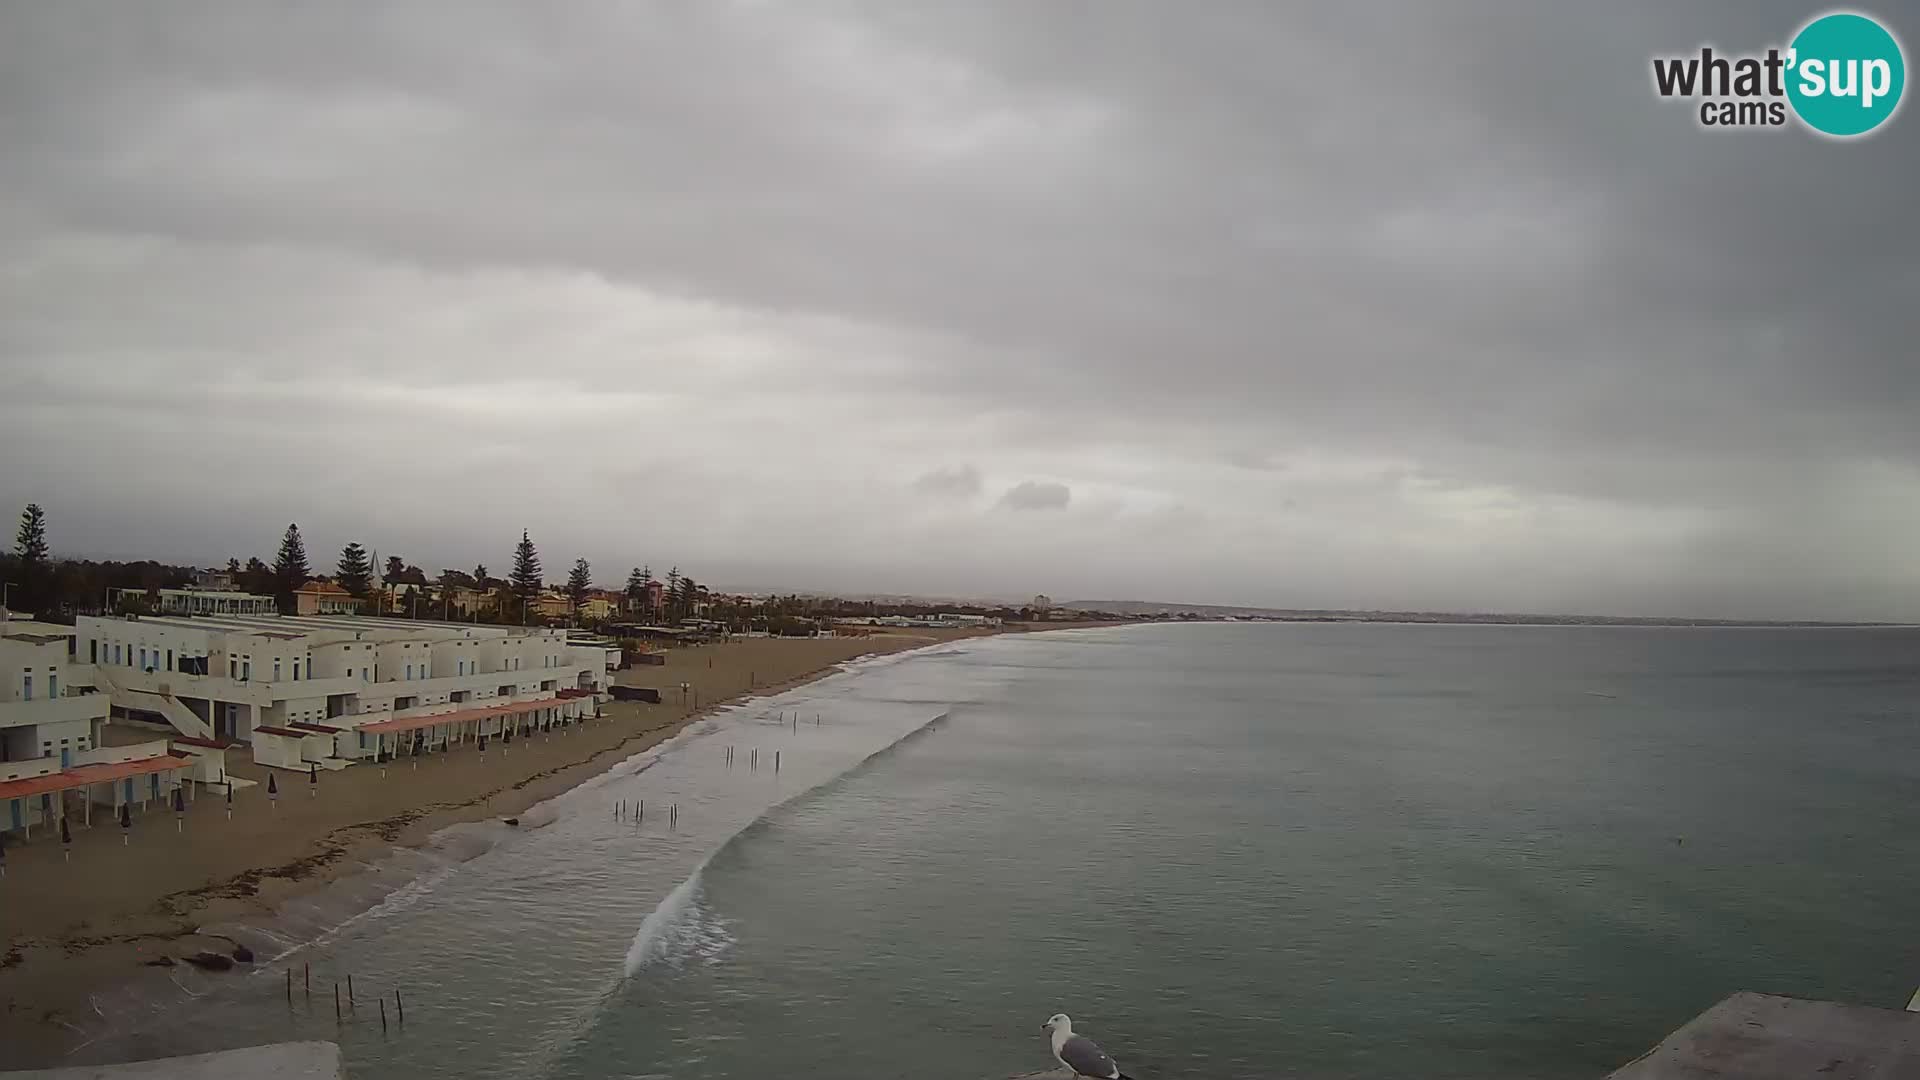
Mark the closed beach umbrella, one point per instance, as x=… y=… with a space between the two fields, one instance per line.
x=179 y=809
x=229 y=798
x=313 y=780
x=273 y=791
x=66 y=840
x=3 y=854
x=126 y=822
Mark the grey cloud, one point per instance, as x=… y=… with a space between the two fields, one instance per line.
x=344 y=256
x=961 y=481
x=1037 y=495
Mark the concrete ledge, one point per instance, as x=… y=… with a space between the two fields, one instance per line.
x=282 y=1061
x=1762 y=1037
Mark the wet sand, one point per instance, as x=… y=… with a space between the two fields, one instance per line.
x=72 y=928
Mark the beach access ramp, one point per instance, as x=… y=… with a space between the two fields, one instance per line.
x=282 y=1061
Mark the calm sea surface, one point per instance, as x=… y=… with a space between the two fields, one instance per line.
x=1229 y=850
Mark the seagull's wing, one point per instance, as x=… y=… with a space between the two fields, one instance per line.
x=1085 y=1058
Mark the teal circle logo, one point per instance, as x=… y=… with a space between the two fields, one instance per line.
x=1845 y=74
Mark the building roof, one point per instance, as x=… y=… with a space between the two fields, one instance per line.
x=83 y=775
x=35 y=630
x=288 y=732
x=318 y=729
x=210 y=744
x=322 y=587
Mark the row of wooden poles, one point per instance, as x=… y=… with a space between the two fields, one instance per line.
x=637 y=811
x=339 y=1016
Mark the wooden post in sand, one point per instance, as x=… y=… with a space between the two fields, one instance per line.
x=776 y=762
x=349 y=990
x=642 y=815
x=400 y=1006
x=289 y=988
x=336 y=1003
x=383 y=1016
x=306 y=977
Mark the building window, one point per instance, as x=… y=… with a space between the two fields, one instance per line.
x=233 y=668
x=276 y=671
x=169 y=659
x=53 y=685
x=116 y=655
x=143 y=659
x=26 y=688
x=246 y=671
x=93 y=650
x=409 y=672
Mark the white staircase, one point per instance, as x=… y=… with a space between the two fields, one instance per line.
x=184 y=720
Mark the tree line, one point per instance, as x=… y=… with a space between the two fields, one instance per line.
x=61 y=588
x=58 y=589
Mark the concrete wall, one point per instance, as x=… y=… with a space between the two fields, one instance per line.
x=32 y=670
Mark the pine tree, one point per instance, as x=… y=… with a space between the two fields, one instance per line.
x=673 y=594
x=30 y=543
x=636 y=584
x=355 y=571
x=290 y=570
x=526 y=570
x=257 y=578
x=579 y=583
x=689 y=592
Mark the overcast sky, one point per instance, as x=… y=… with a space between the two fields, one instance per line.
x=1359 y=305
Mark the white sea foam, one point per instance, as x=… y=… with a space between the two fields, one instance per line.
x=663 y=933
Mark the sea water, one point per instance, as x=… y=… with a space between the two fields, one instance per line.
x=1313 y=850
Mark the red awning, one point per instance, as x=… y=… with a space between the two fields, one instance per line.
x=317 y=729
x=415 y=723
x=288 y=732
x=85 y=775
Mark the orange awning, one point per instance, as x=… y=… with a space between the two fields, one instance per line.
x=415 y=723
x=84 y=775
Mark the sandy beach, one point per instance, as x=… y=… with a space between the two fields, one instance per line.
x=72 y=928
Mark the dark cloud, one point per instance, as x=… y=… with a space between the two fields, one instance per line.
x=1037 y=495
x=1395 y=303
x=960 y=481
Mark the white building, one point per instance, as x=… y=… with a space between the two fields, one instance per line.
x=280 y=683
x=49 y=728
x=209 y=602
x=43 y=711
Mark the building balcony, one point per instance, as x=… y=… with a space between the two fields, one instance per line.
x=60 y=710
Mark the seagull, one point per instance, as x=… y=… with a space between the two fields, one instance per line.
x=1080 y=1055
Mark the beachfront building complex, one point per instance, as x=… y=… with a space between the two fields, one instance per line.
x=326 y=689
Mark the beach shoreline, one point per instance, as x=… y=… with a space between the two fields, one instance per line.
x=122 y=902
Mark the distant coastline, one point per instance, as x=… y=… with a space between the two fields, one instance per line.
x=1141 y=609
